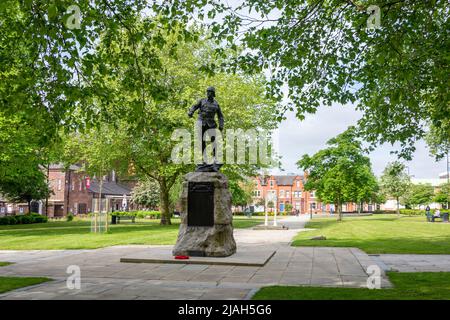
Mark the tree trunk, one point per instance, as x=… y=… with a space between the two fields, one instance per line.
x=29 y=206
x=359 y=207
x=100 y=196
x=398 y=207
x=48 y=183
x=339 y=210
x=164 y=203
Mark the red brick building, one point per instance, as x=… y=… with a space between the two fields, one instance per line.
x=77 y=193
x=289 y=190
x=73 y=191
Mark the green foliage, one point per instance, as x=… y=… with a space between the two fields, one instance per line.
x=241 y=192
x=146 y=193
x=417 y=212
x=141 y=214
x=32 y=185
x=340 y=173
x=139 y=133
x=23 y=219
x=438 y=140
x=397 y=74
x=443 y=195
x=69 y=217
x=288 y=208
x=418 y=194
x=395 y=182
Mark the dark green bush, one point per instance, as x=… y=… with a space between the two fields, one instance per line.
x=23 y=219
x=418 y=212
x=138 y=214
x=69 y=217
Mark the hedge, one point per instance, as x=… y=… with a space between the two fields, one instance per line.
x=23 y=219
x=138 y=214
x=418 y=212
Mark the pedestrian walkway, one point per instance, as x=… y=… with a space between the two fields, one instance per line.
x=416 y=262
x=103 y=276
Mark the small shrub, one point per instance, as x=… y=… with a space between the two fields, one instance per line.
x=37 y=218
x=69 y=217
x=138 y=214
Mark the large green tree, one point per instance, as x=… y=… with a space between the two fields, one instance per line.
x=419 y=194
x=443 y=195
x=47 y=63
x=145 y=137
x=146 y=193
x=395 y=182
x=340 y=173
x=325 y=52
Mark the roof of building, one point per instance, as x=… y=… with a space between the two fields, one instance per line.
x=109 y=188
x=284 y=180
x=281 y=180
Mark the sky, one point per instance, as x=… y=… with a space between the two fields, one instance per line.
x=310 y=135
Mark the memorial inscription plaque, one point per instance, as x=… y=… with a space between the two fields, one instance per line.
x=201 y=204
x=206 y=227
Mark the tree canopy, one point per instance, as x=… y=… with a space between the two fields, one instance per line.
x=340 y=173
x=395 y=182
x=419 y=194
x=396 y=73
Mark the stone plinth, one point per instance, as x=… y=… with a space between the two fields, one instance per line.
x=217 y=239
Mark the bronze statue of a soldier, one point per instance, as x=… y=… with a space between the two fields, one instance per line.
x=208 y=109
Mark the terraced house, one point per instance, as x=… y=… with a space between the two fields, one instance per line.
x=74 y=192
x=290 y=194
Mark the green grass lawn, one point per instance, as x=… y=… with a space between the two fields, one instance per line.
x=379 y=234
x=407 y=286
x=77 y=235
x=12 y=283
x=4 y=264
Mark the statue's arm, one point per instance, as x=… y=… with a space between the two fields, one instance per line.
x=194 y=107
x=220 y=116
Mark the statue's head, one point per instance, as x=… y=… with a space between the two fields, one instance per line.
x=211 y=92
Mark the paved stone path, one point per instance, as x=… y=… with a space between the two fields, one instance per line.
x=104 y=277
x=414 y=262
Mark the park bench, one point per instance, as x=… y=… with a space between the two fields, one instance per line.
x=444 y=217
x=116 y=219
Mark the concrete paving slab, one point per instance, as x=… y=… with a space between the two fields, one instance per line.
x=243 y=257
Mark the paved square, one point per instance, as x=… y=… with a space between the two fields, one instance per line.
x=103 y=276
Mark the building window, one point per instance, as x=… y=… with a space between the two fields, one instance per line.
x=312 y=194
x=73 y=185
x=59 y=184
x=271 y=183
x=281 y=193
x=298 y=184
x=81 y=185
x=257 y=193
x=287 y=194
x=313 y=205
